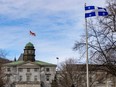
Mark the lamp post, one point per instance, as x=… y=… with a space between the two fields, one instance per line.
x=57 y=63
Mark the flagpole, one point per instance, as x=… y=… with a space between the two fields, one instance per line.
x=87 y=68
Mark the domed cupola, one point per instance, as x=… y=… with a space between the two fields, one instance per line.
x=29 y=52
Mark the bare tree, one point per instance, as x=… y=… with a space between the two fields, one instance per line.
x=73 y=74
x=67 y=74
x=102 y=39
x=3 y=54
x=55 y=82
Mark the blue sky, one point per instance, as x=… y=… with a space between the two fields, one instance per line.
x=57 y=24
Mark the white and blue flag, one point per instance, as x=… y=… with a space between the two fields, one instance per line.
x=91 y=11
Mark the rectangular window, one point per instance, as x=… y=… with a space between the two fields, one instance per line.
x=47 y=77
x=20 y=78
x=47 y=69
x=28 y=69
x=14 y=69
x=35 y=78
x=35 y=69
x=8 y=69
x=8 y=78
x=20 y=69
x=25 y=51
x=29 y=51
x=28 y=77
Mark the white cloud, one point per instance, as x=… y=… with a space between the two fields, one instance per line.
x=57 y=23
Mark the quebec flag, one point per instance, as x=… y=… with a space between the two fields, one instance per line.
x=91 y=11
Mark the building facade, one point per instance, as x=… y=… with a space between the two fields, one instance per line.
x=29 y=72
x=74 y=75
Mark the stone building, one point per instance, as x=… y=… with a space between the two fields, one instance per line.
x=29 y=72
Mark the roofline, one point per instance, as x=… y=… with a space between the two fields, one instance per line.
x=24 y=62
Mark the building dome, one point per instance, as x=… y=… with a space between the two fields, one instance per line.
x=29 y=44
x=29 y=52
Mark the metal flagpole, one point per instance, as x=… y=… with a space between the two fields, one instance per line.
x=87 y=68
